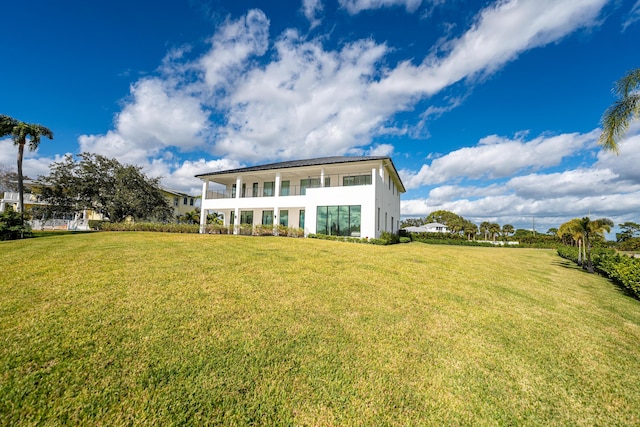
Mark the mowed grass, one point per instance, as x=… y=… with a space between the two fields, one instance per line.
x=162 y=329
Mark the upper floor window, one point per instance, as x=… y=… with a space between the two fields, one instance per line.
x=284 y=188
x=268 y=189
x=356 y=180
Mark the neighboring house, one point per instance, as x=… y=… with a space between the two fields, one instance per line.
x=433 y=227
x=79 y=221
x=180 y=202
x=345 y=196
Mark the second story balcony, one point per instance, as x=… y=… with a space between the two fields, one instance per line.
x=287 y=188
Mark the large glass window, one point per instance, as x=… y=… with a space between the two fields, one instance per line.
x=246 y=217
x=301 y=219
x=284 y=188
x=356 y=180
x=338 y=220
x=268 y=189
x=284 y=217
x=267 y=217
x=232 y=218
x=255 y=189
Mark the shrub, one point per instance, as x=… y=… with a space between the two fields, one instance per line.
x=96 y=224
x=150 y=226
x=11 y=226
x=389 y=238
x=405 y=239
x=622 y=269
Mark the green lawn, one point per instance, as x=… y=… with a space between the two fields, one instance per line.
x=166 y=329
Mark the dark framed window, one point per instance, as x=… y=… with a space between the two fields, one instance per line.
x=284 y=188
x=284 y=217
x=267 y=217
x=268 y=189
x=246 y=217
x=339 y=220
x=356 y=180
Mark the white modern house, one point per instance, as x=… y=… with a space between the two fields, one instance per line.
x=343 y=195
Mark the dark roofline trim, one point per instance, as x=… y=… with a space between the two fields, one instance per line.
x=318 y=161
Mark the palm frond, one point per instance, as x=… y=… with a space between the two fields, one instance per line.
x=617 y=118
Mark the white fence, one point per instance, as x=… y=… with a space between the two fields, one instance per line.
x=60 y=224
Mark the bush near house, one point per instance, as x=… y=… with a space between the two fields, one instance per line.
x=244 y=229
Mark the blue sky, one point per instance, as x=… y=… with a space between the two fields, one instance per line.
x=490 y=109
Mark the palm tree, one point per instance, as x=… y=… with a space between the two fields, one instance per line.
x=585 y=230
x=20 y=131
x=494 y=229
x=507 y=230
x=616 y=119
x=484 y=228
x=573 y=228
x=591 y=229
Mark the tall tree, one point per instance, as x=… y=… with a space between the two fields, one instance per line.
x=494 y=229
x=507 y=230
x=616 y=119
x=587 y=230
x=628 y=231
x=470 y=229
x=484 y=229
x=105 y=185
x=454 y=222
x=23 y=134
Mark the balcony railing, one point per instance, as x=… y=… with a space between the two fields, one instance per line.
x=291 y=190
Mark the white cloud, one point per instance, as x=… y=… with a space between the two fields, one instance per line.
x=502 y=31
x=232 y=45
x=245 y=99
x=497 y=157
x=608 y=188
x=156 y=117
x=183 y=177
x=33 y=165
x=357 y=6
x=633 y=17
x=625 y=164
x=311 y=10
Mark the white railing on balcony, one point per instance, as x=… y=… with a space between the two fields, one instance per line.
x=291 y=190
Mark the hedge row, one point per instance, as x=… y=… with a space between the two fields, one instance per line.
x=622 y=269
x=386 y=238
x=244 y=229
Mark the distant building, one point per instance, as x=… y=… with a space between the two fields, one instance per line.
x=433 y=227
x=180 y=202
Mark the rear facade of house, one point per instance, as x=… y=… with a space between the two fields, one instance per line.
x=343 y=195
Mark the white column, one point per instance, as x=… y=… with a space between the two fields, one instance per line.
x=277 y=185
x=238 y=186
x=322 y=177
x=203 y=211
x=236 y=221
